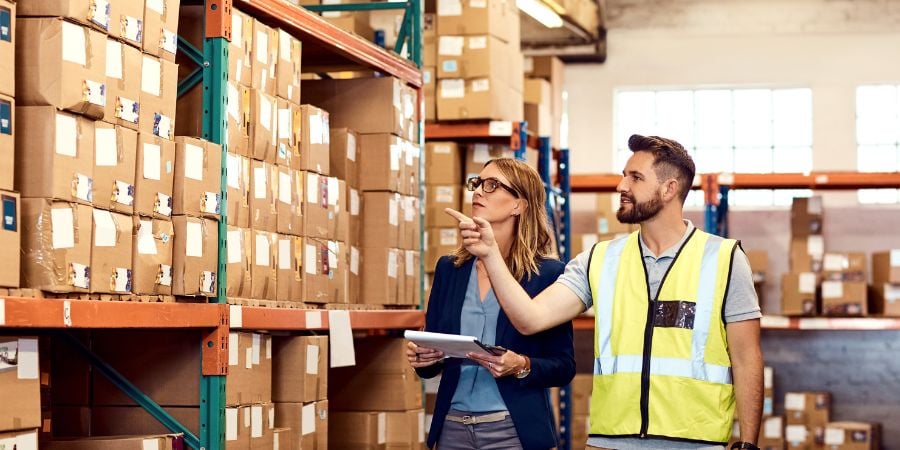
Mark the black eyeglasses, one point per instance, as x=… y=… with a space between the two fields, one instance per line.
x=489 y=185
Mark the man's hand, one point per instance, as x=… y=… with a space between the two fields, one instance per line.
x=509 y=363
x=478 y=236
x=421 y=356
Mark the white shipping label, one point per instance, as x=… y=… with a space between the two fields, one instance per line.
x=354 y=202
x=421 y=426
x=268 y=342
x=312 y=188
x=333 y=191
x=84 y=187
x=807 y=283
x=453 y=88
x=312 y=359
x=234 y=243
x=105 y=230
x=354 y=260
x=309 y=260
x=165 y=275
x=194 y=240
x=256 y=421
x=62 y=226
x=815 y=246
x=832 y=289
x=393 y=206
x=81 y=278
x=814 y=205
x=835 y=262
x=332 y=254
x=262 y=250
x=316 y=127
x=194 y=158
x=481 y=153
x=234 y=171
x=169 y=41
x=247 y=409
x=794 y=401
x=157 y=6
x=768 y=378
x=113 y=59
x=478 y=42
x=74 y=43
x=410 y=208
x=392 y=264
x=409 y=153
x=152 y=162
x=234 y=103
x=231 y=423
x=772 y=428
x=528 y=65
x=27 y=355
x=448 y=237
x=795 y=433
x=151 y=74
x=284 y=45
x=478 y=4
x=442 y=148
x=146 y=243
x=256 y=348
x=124 y=193
x=395 y=157
x=260 y=185
x=236 y=320
x=343 y=352
x=382 y=431
x=237 y=29
x=451 y=45
x=209 y=203
x=284 y=254
x=284 y=187
x=128 y=111
x=265 y=112
x=276 y=443
x=164 y=126
x=308 y=425
x=891 y=293
x=481 y=85
x=449 y=7
x=106 y=152
x=409 y=263
x=262 y=47
x=66 y=135
x=313 y=319
x=285 y=128
x=132 y=28
x=150 y=444
x=895 y=258
x=351 y=147
x=834 y=436
x=500 y=128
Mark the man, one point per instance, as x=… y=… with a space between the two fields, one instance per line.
x=677 y=318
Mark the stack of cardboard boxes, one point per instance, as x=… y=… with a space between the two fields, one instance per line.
x=10 y=239
x=807 y=415
x=771 y=433
x=759 y=265
x=853 y=436
x=443 y=189
x=299 y=389
x=886 y=283
x=608 y=226
x=20 y=389
x=378 y=403
x=581 y=387
x=807 y=249
x=551 y=70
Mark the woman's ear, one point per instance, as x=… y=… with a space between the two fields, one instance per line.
x=521 y=206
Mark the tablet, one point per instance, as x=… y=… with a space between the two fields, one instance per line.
x=452 y=345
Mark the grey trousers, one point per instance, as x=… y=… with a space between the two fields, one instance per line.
x=483 y=436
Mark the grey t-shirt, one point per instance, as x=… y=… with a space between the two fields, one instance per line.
x=741 y=303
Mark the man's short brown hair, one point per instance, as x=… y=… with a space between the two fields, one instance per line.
x=670 y=160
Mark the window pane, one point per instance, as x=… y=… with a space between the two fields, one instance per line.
x=876 y=158
x=753 y=118
x=675 y=116
x=695 y=199
x=713 y=160
x=713 y=121
x=792 y=112
x=635 y=113
x=753 y=160
x=793 y=160
x=751 y=197
x=785 y=197
x=876 y=196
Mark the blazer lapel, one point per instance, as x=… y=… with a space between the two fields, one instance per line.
x=457 y=293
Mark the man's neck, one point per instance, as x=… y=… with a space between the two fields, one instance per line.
x=663 y=231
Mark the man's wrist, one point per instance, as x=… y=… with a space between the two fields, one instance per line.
x=744 y=445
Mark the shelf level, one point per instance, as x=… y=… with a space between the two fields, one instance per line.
x=316 y=319
x=16 y=312
x=326 y=46
x=798 y=323
x=815 y=180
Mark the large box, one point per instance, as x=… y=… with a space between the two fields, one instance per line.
x=161 y=28
x=382 y=379
x=238 y=268
x=477 y=155
x=153 y=247
x=126 y=22
x=249 y=369
x=357 y=430
x=366 y=105
x=480 y=56
x=7 y=141
x=845 y=266
x=442 y=163
x=262 y=426
x=288 y=67
x=20 y=384
x=10 y=239
x=240 y=50
x=288 y=133
x=111 y=260
x=127 y=420
x=116 y=442
x=886 y=283
x=315 y=140
x=300 y=369
x=321 y=205
x=198 y=178
x=123 y=83
x=478 y=98
x=56 y=151
x=381 y=219
x=343 y=156
x=239 y=122
x=263 y=259
x=155 y=176
x=238 y=177
x=290 y=190
x=159 y=93
x=380 y=275
x=354 y=222
x=308 y=425
x=264 y=56
x=382 y=156
x=853 y=436
x=263 y=193
x=195 y=256
x=438 y=197
x=810 y=408
x=405 y=430
x=115 y=153
x=56 y=245
x=237 y=427
x=290 y=270
x=806 y=217
x=439 y=242
x=60 y=64
x=263 y=126
x=320 y=261
x=498 y=18
x=845 y=298
x=798 y=294
x=7 y=48
x=411 y=224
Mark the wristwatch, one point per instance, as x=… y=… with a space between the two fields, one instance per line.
x=744 y=445
x=527 y=369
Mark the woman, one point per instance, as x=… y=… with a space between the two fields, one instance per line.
x=485 y=401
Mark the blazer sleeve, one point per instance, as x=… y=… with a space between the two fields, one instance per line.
x=432 y=315
x=555 y=366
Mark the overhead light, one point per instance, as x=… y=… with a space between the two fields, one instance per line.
x=539 y=11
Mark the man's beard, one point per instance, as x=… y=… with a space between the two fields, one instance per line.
x=640 y=212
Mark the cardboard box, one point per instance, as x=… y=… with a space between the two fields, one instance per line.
x=83 y=12
x=319 y=271
x=806 y=217
x=759 y=264
x=438 y=197
x=381 y=219
x=56 y=245
x=159 y=92
x=411 y=225
x=442 y=163
x=263 y=260
x=807 y=253
x=262 y=426
x=357 y=24
x=798 y=294
x=480 y=56
x=288 y=212
x=20 y=388
x=477 y=155
x=263 y=126
x=239 y=268
x=886 y=266
x=126 y=22
x=405 y=430
x=366 y=105
x=155 y=177
x=198 y=178
x=59 y=164
x=298 y=364
x=845 y=298
x=810 y=408
x=264 y=55
x=357 y=430
x=249 y=369
x=321 y=205
x=429 y=35
x=354 y=276
x=853 y=436
x=263 y=195
x=315 y=141
x=301 y=419
x=355 y=217
x=238 y=177
x=195 y=256
x=287 y=144
x=239 y=119
x=111 y=260
x=537 y=91
x=413 y=292
x=382 y=379
x=161 y=28
x=540 y=119
x=338 y=279
x=7 y=141
x=382 y=156
x=115 y=153
x=343 y=156
x=60 y=64
x=128 y=420
x=288 y=67
x=240 y=50
x=551 y=69
x=124 y=71
x=412 y=155
x=494 y=17
x=440 y=242
x=7 y=48
x=771 y=433
x=429 y=80
x=237 y=427
x=115 y=442
x=886 y=292
x=10 y=239
x=845 y=266
x=380 y=275
x=152 y=263
x=289 y=277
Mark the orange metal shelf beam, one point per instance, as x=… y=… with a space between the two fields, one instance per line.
x=52 y=313
x=315 y=32
x=798 y=323
x=315 y=319
x=815 y=180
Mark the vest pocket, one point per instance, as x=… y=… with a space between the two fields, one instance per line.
x=675 y=314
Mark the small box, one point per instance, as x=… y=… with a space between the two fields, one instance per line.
x=343 y=156
x=239 y=268
x=493 y=17
x=159 y=94
x=810 y=408
x=56 y=245
x=298 y=363
x=439 y=242
x=437 y=198
x=288 y=67
x=481 y=56
x=363 y=430
x=195 y=256
x=124 y=75
x=10 y=239
x=239 y=119
x=290 y=270
x=161 y=28
x=111 y=258
x=263 y=126
x=319 y=259
x=126 y=22
x=315 y=141
x=321 y=205
x=844 y=298
x=807 y=253
x=290 y=190
x=477 y=155
x=478 y=98
x=265 y=56
x=115 y=153
x=20 y=384
x=442 y=163
x=806 y=217
x=845 y=266
x=287 y=144
x=263 y=260
x=238 y=177
x=380 y=275
x=249 y=369
x=58 y=164
x=153 y=247
x=198 y=178
x=366 y=105
x=155 y=177
x=7 y=48
x=853 y=436
x=263 y=192
x=240 y=50
x=798 y=294
x=382 y=156
x=381 y=219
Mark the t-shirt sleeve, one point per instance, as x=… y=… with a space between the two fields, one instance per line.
x=741 y=302
x=575 y=278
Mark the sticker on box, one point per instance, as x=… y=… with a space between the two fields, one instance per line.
x=127 y=109
x=83 y=187
x=163 y=204
x=162 y=125
x=80 y=275
x=449 y=7
x=210 y=203
x=453 y=88
x=164 y=277
x=121 y=280
x=133 y=29
x=207 y=282
x=478 y=42
x=448 y=46
x=74 y=43
x=169 y=41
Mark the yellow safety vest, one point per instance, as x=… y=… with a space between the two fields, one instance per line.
x=661 y=366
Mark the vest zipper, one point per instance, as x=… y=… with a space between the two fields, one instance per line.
x=645 y=368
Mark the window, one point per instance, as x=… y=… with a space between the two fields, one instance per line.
x=878 y=137
x=726 y=131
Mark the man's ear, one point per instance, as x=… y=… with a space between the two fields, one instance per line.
x=670 y=189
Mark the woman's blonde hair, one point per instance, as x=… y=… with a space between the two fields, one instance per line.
x=532 y=229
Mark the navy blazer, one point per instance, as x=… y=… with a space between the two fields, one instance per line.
x=552 y=355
